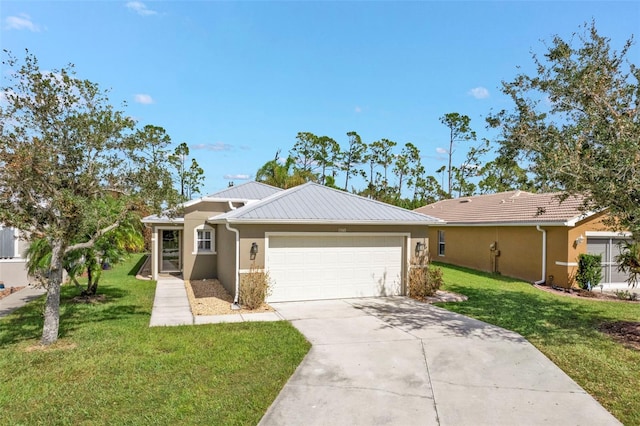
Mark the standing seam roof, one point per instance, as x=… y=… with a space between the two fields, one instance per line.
x=314 y=202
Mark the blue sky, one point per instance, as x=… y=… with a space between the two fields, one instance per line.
x=238 y=80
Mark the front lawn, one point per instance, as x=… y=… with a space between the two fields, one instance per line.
x=565 y=329
x=109 y=367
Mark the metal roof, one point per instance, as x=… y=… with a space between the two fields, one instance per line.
x=314 y=203
x=246 y=191
x=513 y=207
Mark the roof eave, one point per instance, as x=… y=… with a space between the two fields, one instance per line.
x=322 y=222
x=480 y=224
x=159 y=221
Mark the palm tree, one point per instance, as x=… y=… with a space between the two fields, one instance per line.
x=108 y=249
x=629 y=261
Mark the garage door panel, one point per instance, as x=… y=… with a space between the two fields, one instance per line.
x=314 y=267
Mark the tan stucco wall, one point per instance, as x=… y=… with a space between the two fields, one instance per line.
x=520 y=249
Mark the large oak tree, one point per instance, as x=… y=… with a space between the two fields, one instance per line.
x=577 y=122
x=64 y=149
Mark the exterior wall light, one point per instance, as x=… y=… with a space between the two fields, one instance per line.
x=579 y=240
x=419 y=248
x=254 y=250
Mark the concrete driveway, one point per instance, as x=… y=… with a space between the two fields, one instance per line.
x=394 y=361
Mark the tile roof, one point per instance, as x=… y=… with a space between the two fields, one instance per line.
x=513 y=207
x=313 y=203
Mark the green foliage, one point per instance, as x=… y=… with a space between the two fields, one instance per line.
x=283 y=174
x=255 y=287
x=190 y=179
x=626 y=295
x=629 y=261
x=576 y=122
x=459 y=131
x=109 y=367
x=589 y=272
x=424 y=279
x=564 y=328
x=72 y=167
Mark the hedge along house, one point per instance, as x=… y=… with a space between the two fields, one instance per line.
x=529 y=236
x=315 y=242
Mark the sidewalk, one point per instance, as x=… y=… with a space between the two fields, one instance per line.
x=171 y=307
x=19 y=299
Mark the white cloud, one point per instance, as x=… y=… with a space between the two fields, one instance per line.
x=237 y=177
x=22 y=22
x=142 y=98
x=140 y=8
x=479 y=92
x=218 y=146
x=441 y=150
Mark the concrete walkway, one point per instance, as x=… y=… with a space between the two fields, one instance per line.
x=394 y=361
x=19 y=299
x=171 y=307
x=171 y=304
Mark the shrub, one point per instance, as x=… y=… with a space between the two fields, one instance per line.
x=255 y=287
x=629 y=261
x=626 y=295
x=589 y=270
x=424 y=279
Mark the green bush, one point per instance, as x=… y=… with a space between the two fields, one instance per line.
x=424 y=279
x=589 y=270
x=255 y=287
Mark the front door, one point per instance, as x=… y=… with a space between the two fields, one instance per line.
x=171 y=253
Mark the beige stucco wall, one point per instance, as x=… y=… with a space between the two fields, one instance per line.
x=226 y=258
x=197 y=266
x=13 y=272
x=520 y=249
x=256 y=233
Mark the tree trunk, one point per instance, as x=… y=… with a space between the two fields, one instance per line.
x=52 y=304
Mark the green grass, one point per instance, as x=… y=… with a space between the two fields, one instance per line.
x=109 y=367
x=565 y=329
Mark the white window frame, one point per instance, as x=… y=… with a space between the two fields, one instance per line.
x=16 y=247
x=204 y=228
x=441 y=243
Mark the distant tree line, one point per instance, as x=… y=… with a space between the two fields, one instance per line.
x=395 y=173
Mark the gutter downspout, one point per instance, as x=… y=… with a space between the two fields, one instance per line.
x=236 y=304
x=544 y=255
x=236 y=297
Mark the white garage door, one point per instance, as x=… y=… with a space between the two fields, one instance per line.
x=312 y=267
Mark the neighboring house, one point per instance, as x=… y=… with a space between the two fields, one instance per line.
x=13 y=272
x=314 y=241
x=529 y=236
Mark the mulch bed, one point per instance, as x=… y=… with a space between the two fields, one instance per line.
x=625 y=332
x=9 y=290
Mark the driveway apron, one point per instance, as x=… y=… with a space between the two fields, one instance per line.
x=394 y=361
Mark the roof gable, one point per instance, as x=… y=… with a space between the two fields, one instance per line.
x=314 y=203
x=247 y=191
x=513 y=207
